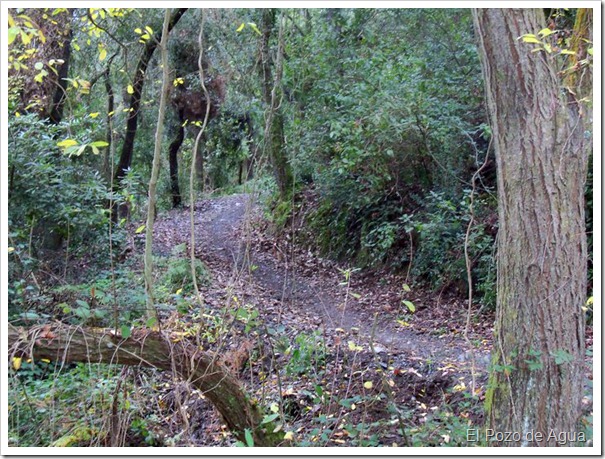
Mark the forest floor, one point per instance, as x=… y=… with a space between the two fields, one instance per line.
x=349 y=349
x=334 y=351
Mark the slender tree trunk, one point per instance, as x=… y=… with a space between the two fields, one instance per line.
x=150 y=349
x=135 y=99
x=110 y=113
x=155 y=170
x=173 y=162
x=56 y=110
x=536 y=382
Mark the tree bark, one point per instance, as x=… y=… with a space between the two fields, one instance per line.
x=538 y=358
x=150 y=349
x=135 y=99
x=173 y=162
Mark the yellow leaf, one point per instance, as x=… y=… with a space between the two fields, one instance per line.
x=102 y=54
x=289 y=436
x=137 y=30
x=130 y=89
x=67 y=143
x=17 y=114
x=530 y=38
x=11 y=21
x=45 y=360
x=94 y=115
x=11 y=249
x=368 y=384
x=140 y=229
x=354 y=347
x=545 y=32
x=149 y=29
x=179 y=291
x=241 y=27
x=17 y=362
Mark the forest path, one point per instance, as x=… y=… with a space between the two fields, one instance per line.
x=307 y=291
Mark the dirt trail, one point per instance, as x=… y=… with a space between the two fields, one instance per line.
x=224 y=241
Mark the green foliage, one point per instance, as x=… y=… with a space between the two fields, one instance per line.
x=306 y=355
x=58 y=206
x=178 y=275
x=37 y=419
x=93 y=302
x=441 y=232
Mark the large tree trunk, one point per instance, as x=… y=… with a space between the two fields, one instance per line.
x=150 y=349
x=536 y=381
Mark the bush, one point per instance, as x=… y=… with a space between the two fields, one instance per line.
x=439 y=256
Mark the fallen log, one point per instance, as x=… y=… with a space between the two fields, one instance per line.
x=155 y=349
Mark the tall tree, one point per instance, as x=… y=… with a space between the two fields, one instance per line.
x=541 y=151
x=271 y=88
x=45 y=79
x=135 y=99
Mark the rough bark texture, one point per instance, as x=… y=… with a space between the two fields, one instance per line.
x=150 y=349
x=536 y=384
x=135 y=99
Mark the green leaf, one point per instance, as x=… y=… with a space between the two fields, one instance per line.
x=140 y=229
x=406 y=288
x=25 y=38
x=102 y=54
x=409 y=305
x=38 y=65
x=249 y=438
x=241 y=27
x=253 y=26
x=125 y=331
x=30 y=316
x=40 y=76
x=83 y=303
x=12 y=34
x=138 y=30
x=130 y=89
x=99 y=143
x=567 y=51
x=270 y=418
x=151 y=322
x=95 y=150
x=562 y=356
